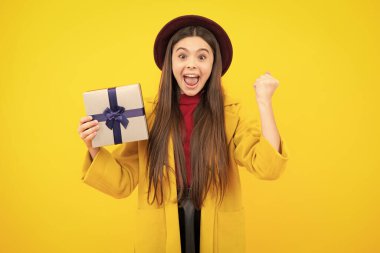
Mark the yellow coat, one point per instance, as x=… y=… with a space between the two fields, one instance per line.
x=222 y=227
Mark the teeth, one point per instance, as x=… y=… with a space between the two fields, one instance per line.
x=191 y=75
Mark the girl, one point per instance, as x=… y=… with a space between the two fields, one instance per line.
x=189 y=193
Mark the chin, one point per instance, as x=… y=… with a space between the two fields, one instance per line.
x=191 y=92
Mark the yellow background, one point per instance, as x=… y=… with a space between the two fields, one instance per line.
x=324 y=53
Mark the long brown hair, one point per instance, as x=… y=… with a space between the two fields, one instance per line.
x=208 y=144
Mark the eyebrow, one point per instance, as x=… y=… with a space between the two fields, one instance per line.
x=188 y=50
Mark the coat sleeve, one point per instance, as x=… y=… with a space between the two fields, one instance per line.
x=254 y=152
x=114 y=173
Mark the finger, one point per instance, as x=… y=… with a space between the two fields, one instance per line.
x=267 y=73
x=87 y=125
x=85 y=119
x=90 y=137
x=260 y=79
x=89 y=131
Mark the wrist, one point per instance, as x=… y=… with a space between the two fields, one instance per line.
x=264 y=102
x=93 y=152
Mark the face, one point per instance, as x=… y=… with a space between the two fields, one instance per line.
x=192 y=61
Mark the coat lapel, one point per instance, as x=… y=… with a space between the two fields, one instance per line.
x=231 y=117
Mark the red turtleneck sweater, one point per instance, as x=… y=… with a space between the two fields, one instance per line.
x=187 y=105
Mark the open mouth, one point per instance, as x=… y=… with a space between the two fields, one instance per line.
x=191 y=80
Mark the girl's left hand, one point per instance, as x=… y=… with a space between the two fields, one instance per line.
x=265 y=86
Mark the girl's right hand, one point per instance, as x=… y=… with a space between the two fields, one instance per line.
x=87 y=131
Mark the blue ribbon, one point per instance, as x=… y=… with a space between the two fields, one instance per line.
x=117 y=115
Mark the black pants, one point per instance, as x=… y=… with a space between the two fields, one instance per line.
x=189 y=224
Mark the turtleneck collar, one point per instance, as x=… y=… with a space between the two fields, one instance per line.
x=189 y=100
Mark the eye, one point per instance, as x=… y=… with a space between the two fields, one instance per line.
x=202 y=57
x=182 y=56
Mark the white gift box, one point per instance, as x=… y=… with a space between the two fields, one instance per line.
x=120 y=112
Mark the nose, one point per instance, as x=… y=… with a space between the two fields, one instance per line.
x=191 y=63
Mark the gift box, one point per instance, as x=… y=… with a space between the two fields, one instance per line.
x=120 y=113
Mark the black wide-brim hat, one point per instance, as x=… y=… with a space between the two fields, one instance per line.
x=178 y=23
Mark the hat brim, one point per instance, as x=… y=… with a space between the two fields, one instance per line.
x=176 y=24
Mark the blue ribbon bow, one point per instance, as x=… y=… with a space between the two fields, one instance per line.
x=115 y=117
